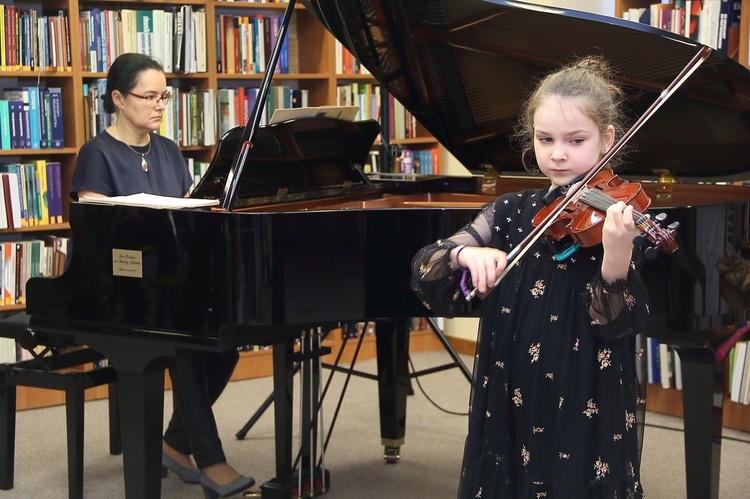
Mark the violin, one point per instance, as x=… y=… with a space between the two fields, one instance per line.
x=583 y=219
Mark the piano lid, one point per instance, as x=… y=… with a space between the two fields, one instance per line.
x=462 y=67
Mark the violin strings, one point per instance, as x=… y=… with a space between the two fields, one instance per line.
x=597 y=199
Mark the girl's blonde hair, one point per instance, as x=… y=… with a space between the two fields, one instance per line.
x=589 y=81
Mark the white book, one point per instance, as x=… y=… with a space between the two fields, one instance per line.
x=665 y=365
x=168 y=45
x=129 y=31
x=201 y=48
x=157 y=42
x=740 y=353
x=677 y=370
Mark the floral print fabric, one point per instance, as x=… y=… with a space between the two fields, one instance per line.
x=557 y=400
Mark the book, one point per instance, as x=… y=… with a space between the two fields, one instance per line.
x=15 y=170
x=12 y=200
x=35 y=120
x=738 y=369
x=4 y=124
x=54 y=191
x=144 y=32
x=56 y=134
x=41 y=179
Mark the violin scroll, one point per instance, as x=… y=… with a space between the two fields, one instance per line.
x=662 y=237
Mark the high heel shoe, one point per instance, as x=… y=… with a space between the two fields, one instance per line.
x=212 y=490
x=187 y=475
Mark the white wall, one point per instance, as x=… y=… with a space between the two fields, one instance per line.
x=467 y=328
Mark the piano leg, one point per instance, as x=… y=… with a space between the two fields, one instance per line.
x=283 y=389
x=142 y=412
x=392 y=339
x=703 y=403
x=8 y=438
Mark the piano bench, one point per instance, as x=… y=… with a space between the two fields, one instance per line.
x=54 y=372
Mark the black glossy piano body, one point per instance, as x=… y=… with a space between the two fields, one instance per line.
x=293 y=256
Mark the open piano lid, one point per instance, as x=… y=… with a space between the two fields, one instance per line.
x=462 y=68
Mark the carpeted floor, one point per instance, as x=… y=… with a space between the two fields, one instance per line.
x=428 y=467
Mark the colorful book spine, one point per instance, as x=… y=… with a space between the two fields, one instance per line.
x=54 y=190
x=57 y=139
x=35 y=122
x=4 y=125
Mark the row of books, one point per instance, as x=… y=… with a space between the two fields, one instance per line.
x=663 y=365
x=33 y=41
x=715 y=23
x=21 y=260
x=31 y=118
x=197 y=168
x=32 y=194
x=175 y=36
x=419 y=161
x=236 y=104
x=402 y=124
x=346 y=63
x=245 y=43
x=739 y=373
x=190 y=117
x=24 y=259
x=364 y=95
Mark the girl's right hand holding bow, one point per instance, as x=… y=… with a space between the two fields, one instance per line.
x=485 y=265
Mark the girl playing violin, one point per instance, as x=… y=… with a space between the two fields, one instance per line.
x=558 y=397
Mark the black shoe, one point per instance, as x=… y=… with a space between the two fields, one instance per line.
x=187 y=475
x=212 y=490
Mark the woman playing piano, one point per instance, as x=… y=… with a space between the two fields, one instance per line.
x=129 y=158
x=556 y=406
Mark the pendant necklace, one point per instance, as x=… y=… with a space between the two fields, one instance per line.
x=144 y=163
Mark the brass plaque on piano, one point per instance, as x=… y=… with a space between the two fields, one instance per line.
x=127 y=263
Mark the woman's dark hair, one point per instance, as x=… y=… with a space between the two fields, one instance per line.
x=123 y=75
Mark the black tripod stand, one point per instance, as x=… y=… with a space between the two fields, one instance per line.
x=393 y=374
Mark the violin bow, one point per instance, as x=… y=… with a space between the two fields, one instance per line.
x=575 y=192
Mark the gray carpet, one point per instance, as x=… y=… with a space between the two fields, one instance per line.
x=428 y=467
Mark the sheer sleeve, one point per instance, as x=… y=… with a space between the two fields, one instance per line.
x=434 y=280
x=620 y=308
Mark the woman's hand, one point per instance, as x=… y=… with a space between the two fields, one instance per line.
x=485 y=265
x=618 y=232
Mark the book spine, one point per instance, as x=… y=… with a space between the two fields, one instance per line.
x=4 y=124
x=34 y=118
x=57 y=139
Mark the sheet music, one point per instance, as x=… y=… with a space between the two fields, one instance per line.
x=152 y=201
x=348 y=113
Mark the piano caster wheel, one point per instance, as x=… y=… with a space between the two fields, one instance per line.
x=391 y=455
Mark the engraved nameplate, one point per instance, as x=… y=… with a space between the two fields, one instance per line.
x=127 y=263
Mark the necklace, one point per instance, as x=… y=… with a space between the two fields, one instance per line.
x=144 y=163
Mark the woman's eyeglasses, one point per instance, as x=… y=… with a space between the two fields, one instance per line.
x=153 y=100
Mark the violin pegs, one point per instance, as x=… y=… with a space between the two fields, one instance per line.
x=640 y=241
x=673 y=226
x=651 y=252
x=661 y=218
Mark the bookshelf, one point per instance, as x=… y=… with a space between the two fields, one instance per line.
x=315 y=72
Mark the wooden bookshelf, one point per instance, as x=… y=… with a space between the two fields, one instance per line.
x=317 y=74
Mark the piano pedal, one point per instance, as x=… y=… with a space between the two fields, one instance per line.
x=392 y=455
x=320 y=484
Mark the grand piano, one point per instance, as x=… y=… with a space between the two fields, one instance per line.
x=310 y=241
